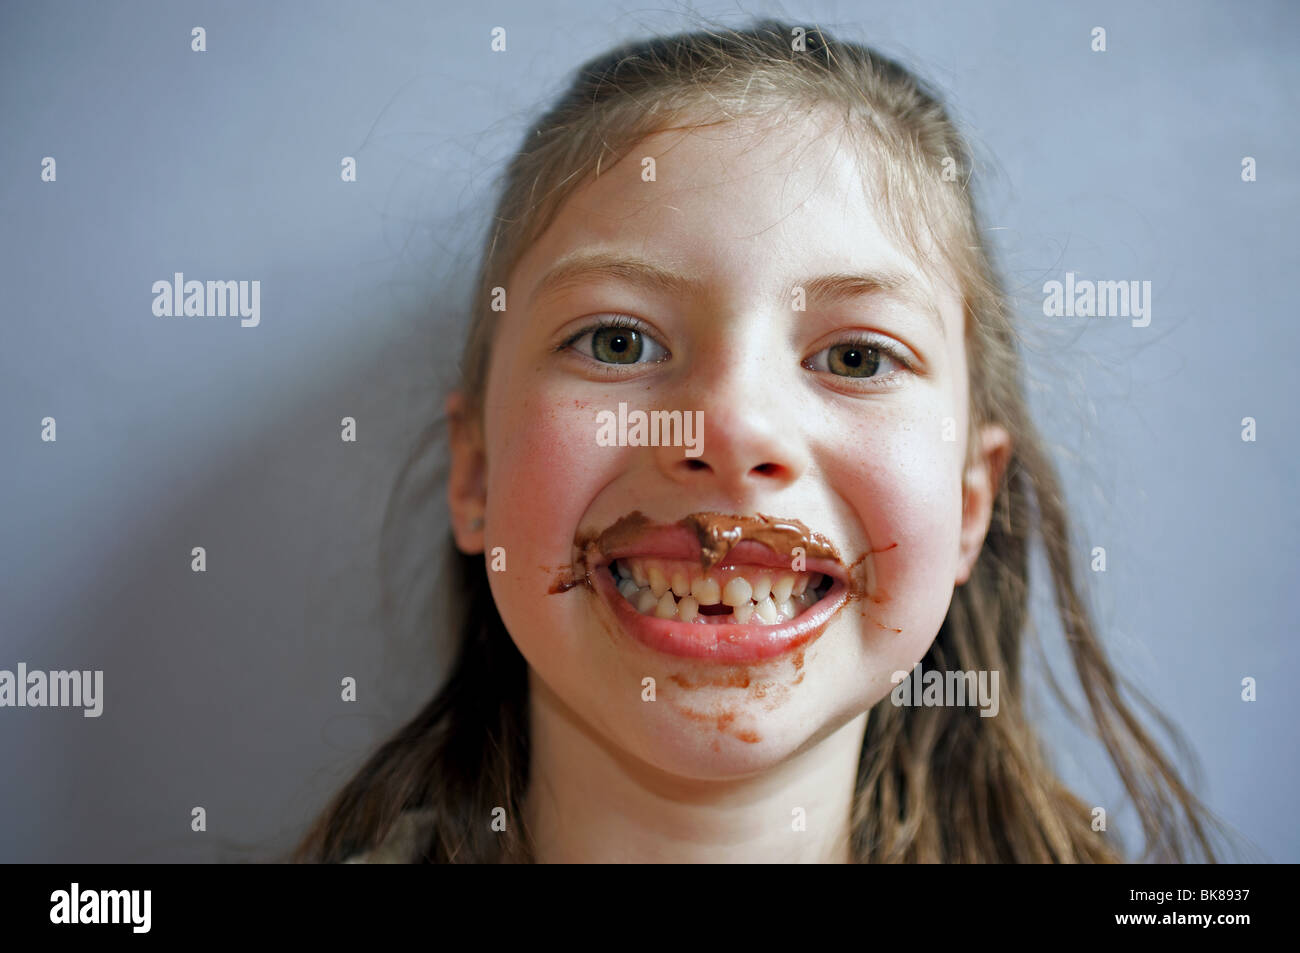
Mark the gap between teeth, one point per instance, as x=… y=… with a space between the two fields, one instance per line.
x=761 y=599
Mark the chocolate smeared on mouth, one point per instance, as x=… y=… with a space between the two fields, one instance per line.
x=718 y=534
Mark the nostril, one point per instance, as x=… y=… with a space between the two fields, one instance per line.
x=696 y=465
x=767 y=469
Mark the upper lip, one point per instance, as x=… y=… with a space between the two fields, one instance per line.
x=686 y=540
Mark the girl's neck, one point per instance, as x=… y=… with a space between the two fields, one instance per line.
x=590 y=802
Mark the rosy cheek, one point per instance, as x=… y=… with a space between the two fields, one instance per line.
x=905 y=490
x=543 y=472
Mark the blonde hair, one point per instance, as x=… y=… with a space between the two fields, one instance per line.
x=935 y=784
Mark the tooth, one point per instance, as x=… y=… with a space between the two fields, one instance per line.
x=638 y=573
x=787 y=609
x=800 y=584
x=782 y=587
x=814 y=581
x=687 y=609
x=706 y=591
x=766 y=610
x=667 y=607
x=681 y=585
x=658 y=581
x=646 y=602
x=743 y=612
x=628 y=588
x=762 y=586
x=737 y=592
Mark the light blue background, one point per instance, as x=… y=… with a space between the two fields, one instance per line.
x=222 y=688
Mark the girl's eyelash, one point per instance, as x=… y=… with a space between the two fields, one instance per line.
x=871 y=342
x=874 y=343
x=612 y=321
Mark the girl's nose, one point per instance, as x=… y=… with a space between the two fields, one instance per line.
x=753 y=438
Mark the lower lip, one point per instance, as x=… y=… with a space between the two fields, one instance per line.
x=725 y=643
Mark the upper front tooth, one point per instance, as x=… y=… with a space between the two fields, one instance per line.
x=658 y=581
x=762 y=586
x=737 y=592
x=800 y=584
x=706 y=591
x=681 y=585
x=782 y=587
x=667 y=607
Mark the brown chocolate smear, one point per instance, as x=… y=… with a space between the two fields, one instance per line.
x=718 y=534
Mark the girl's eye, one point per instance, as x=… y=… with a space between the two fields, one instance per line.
x=617 y=342
x=858 y=359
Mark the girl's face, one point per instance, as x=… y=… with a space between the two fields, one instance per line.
x=839 y=404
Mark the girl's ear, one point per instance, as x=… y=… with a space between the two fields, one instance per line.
x=980 y=489
x=467 y=482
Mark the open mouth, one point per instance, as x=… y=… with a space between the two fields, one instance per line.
x=725 y=595
x=716 y=586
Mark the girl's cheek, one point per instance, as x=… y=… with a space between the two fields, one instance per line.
x=544 y=469
x=904 y=484
x=544 y=451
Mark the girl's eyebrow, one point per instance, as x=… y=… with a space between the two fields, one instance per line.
x=579 y=267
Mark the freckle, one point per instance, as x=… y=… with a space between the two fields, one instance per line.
x=887 y=628
x=798 y=660
x=748 y=737
x=798 y=680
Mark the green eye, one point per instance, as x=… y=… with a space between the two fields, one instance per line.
x=872 y=360
x=853 y=360
x=619 y=341
x=615 y=345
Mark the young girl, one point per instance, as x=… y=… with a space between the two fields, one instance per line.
x=740 y=441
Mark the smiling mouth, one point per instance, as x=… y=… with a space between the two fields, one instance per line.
x=715 y=586
x=680 y=591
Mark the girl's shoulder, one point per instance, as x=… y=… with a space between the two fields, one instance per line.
x=404 y=841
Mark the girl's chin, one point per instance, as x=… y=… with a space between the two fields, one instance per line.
x=698 y=739
x=692 y=749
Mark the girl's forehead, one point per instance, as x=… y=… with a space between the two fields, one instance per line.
x=737 y=212
x=731 y=209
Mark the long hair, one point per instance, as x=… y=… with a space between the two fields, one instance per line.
x=934 y=784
